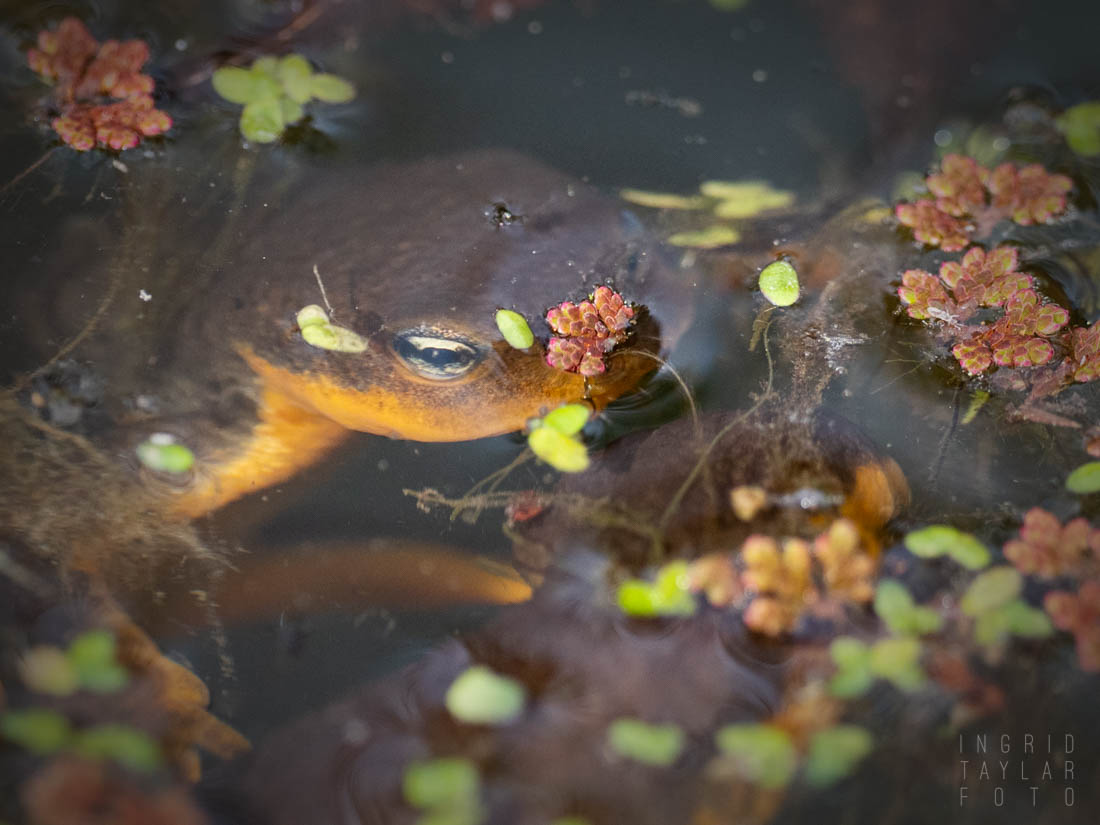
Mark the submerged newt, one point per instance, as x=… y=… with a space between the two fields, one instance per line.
x=414 y=258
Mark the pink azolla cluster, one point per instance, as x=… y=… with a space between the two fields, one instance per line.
x=1019 y=338
x=587 y=331
x=970 y=199
x=784 y=581
x=1079 y=613
x=84 y=72
x=1048 y=549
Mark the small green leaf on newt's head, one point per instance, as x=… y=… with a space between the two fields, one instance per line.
x=669 y=595
x=763 y=754
x=939 y=540
x=710 y=238
x=319 y=332
x=330 y=88
x=1085 y=479
x=779 y=283
x=658 y=745
x=162 y=453
x=835 y=752
x=515 y=329
x=481 y=697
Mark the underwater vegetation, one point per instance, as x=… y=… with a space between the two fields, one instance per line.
x=86 y=75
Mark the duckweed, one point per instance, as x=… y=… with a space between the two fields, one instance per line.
x=515 y=329
x=835 y=752
x=744 y=199
x=779 y=283
x=662 y=200
x=273 y=92
x=657 y=745
x=763 y=754
x=38 y=730
x=481 y=697
x=444 y=786
x=668 y=595
x=1080 y=125
x=901 y=614
x=993 y=600
x=1085 y=479
x=554 y=438
x=129 y=747
x=163 y=454
x=320 y=332
x=88 y=664
x=858 y=664
x=711 y=237
x=942 y=540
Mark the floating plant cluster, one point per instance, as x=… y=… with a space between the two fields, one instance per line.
x=274 y=90
x=969 y=200
x=586 y=332
x=101 y=95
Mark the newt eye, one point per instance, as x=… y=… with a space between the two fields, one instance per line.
x=434 y=355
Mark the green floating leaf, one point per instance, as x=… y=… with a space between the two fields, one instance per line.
x=898 y=660
x=658 y=745
x=763 y=754
x=568 y=419
x=319 y=332
x=1085 y=479
x=779 y=283
x=292 y=111
x=710 y=238
x=127 y=746
x=515 y=329
x=896 y=608
x=662 y=200
x=295 y=75
x=163 y=454
x=571 y=820
x=481 y=697
x=668 y=595
x=1081 y=126
x=743 y=199
x=940 y=539
x=235 y=84
x=1016 y=618
x=564 y=453
x=48 y=670
x=447 y=782
x=40 y=731
x=267 y=65
x=853 y=661
x=92 y=655
x=262 y=121
x=330 y=88
x=835 y=752
x=993 y=588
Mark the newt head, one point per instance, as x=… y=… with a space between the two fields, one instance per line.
x=415 y=260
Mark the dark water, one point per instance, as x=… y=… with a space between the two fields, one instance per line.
x=830 y=102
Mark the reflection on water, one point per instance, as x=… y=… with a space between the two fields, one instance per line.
x=312 y=572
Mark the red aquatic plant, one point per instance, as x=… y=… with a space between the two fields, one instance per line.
x=1079 y=614
x=1047 y=549
x=1019 y=338
x=101 y=95
x=968 y=200
x=1084 y=353
x=585 y=332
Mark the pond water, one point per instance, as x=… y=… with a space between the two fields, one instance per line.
x=329 y=611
